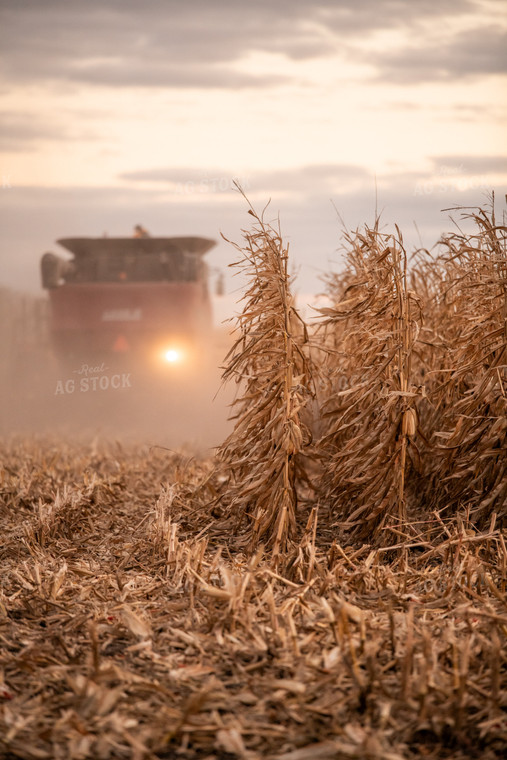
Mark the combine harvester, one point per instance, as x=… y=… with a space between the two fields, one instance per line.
x=120 y=300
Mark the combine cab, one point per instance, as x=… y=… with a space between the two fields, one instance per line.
x=129 y=297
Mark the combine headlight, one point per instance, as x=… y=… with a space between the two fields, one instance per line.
x=172 y=356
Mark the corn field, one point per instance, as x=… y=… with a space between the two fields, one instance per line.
x=332 y=583
x=420 y=428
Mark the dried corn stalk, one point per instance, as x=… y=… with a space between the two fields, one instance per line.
x=263 y=453
x=370 y=443
x=469 y=468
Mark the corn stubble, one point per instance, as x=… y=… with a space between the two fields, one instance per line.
x=131 y=628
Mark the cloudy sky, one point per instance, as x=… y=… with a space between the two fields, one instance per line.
x=117 y=112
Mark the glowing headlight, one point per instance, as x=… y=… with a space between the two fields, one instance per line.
x=172 y=356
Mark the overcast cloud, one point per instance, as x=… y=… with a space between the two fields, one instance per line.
x=470 y=53
x=195 y=44
x=20 y=132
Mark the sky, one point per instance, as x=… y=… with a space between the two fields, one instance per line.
x=118 y=112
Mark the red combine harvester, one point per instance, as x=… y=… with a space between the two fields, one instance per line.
x=145 y=298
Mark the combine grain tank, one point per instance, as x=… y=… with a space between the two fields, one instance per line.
x=136 y=297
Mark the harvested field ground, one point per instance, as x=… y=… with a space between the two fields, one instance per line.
x=133 y=626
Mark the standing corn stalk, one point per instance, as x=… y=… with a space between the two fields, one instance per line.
x=263 y=453
x=469 y=466
x=370 y=443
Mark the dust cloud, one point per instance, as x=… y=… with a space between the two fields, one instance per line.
x=82 y=398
